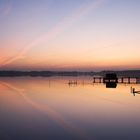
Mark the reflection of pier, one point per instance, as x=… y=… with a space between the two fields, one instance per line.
x=72 y=82
x=125 y=80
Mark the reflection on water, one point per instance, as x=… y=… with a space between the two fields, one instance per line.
x=52 y=109
x=111 y=85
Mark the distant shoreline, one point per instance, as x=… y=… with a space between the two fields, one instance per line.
x=12 y=73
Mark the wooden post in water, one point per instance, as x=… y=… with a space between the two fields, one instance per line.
x=137 y=79
x=129 y=80
x=122 y=80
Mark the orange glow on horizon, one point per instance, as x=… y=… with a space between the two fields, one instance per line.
x=91 y=36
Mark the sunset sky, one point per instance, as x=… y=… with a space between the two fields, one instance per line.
x=69 y=34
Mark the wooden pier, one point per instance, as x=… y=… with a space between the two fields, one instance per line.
x=125 y=80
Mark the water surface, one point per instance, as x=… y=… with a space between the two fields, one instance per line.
x=51 y=109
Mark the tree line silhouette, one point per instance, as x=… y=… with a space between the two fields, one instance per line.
x=12 y=73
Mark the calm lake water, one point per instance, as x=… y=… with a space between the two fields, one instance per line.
x=51 y=109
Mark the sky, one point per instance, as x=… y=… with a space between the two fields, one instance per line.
x=81 y=35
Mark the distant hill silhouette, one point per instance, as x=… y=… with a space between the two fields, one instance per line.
x=11 y=73
x=42 y=73
x=127 y=73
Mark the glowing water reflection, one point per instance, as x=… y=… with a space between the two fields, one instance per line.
x=50 y=108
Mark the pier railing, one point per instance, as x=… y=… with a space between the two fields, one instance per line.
x=126 y=80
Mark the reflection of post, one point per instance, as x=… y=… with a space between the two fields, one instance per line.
x=83 y=83
x=122 y=80
x=131 y=89
x=94 y=80
x=72 y=83
x=49 y=83
x=100 y=80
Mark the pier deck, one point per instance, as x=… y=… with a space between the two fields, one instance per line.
x=126 y=80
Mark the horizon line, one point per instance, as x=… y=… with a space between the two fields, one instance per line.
x=69 y=70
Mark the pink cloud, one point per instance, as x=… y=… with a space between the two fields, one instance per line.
x=58 y=29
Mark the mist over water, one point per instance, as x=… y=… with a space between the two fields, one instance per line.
x=50 y=108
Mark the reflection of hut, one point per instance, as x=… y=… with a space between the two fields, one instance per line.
x=111 y=85
x=110 y=78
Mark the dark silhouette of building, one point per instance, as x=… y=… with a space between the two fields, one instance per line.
x=110 y=77
x=110 y=80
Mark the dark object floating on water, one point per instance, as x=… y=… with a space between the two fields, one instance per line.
x=110 y=80
x=134 y=91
